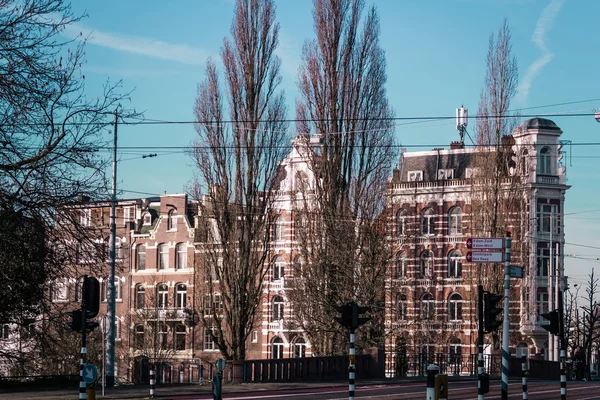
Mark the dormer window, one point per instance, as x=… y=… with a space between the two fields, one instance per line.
x=415 y=176
x=171 y=221
x=445 y=174
x=470 y=173
x=544 y=162
x=147 y=219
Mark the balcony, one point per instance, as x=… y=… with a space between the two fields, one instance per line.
x=164 y=313
x=455 y=326
x=547 y=179
x=276 y=326
x=277 y=285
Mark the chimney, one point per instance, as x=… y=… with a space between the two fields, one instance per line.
x=396 y=175
x=456 y=145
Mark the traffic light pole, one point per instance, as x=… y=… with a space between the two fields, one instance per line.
x=563 y=348
x=505 y=355
x=351 y=367
x=82 y=385
x=480 y=371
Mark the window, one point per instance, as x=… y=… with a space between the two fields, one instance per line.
x=299 y=264
x=140 y=297
x=525 y=162
x=180 y=295
x=277 y=229
x=104 y=289
x=277 y=308
x=454 y=264
x=470 y=173
x=455 y=221
x=454 y=351
x=301 y=181
x=427 y=307
x=543 y=262
x=147 y=219
x=162 y=296
x=455 y=307
x=180 y=333
x=60 y=291
x=163 y=256
x=4 y=332
x=118 y=249
x=117 y=329
x=548 y=218
x=400 y=266
x=445 y=174
x=299 y=348
x=78 y=289
x=85 y=218
x=140 y=257
x=402 y=307
x=213 y=304
x=163 y=335
x=278 y=268
x=542 y=303
x=126 y=214
x=86 y=252
x=426 y=354
x=428 y=222
x=544 y=162
x=181 y=250
x=209 y=343
x=401 y=223
x=426 y=264
x=277 y=348
x=138 y=339
x=414 y=176
x=522 y=350
x=171 y=221
x=254 y=336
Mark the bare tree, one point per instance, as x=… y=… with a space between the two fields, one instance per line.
x=49 y=136
x=591 y=320
x=237 y=162
x=343 y=102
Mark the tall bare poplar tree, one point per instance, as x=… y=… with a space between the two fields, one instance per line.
x=236 y=154
x=343 y=102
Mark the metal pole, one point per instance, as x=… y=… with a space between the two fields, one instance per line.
x=111 y=308
x=82 y=385
x=524 y=374
x=480 y=394
x=351 y=367
x=551 y=306
x=505 y=355
x=557 y=294
x=563 y=348
x=432 y=371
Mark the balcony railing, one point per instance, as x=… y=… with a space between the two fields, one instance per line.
x=164 y=313
x=547 y=179
x=276 y=326
x=277 y=285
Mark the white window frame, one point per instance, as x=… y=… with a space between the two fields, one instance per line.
x=147 y=219
x=455 y=303
x=163 y=256
x=85 y=218
x=542 y=303
x=428 y=222
x=455 y=264
x=415 y=176
x=547 y=218
x=208 y=344
x=277 y=348
x=278 y=268
x=162 y=296
x=60 y=291
x=254 y=336
x=445 y=174
x=180 y=295
x=177 y=334
x=545 y=161
x=172 y=221
x=4 y=331
x=426 y=264
x=471 y=173
x=139 y=255
x=181 y=252
x=278 y=308
x=126 y=214
x=427 y=307
x=455 y=221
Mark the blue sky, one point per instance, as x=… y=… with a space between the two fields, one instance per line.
x=435 y=61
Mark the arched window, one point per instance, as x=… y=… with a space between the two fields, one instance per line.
x=299 y=264
x=171 y=221
x=402 y=307
x=140 y=257
x=163 y=256
x=140 y=297
x=278 y=268
x=544 y=162
x=400 y=266
x=401 y=223
x=277 y=348
x=162 y=296
x=277 y=308
x=104 y=289
x=147 y=219
x=455 y=221
x=301 y=181
x=454 y=264
x=428 y=222
x=180 y=295
x=163 y=335
x=277 y=227
x=454 y=351
x=181 y=250
x=299 y=348
x=455 y=307
x=427 y=307
x=525 y=162
x=180 y=333
x=426 y=270
x=138 y=339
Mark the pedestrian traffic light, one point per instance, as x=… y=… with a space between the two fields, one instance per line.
x=75 y=322
x=553 y=318
x=346 y=315
x=92 y=297
x=356 y=319
x=490 y=311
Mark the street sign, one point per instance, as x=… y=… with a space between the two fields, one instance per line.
x=220 y=364
x=90 y=373
x=485 y=243
x=485 y=256
x=515 y=271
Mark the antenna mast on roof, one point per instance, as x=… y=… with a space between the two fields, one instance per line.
x=461 y=122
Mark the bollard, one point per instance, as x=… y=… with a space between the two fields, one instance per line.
x=563 y=374
x=524 y=374
x=91 y=393
x=152 y=382
x=432 y=371
x=201 y=378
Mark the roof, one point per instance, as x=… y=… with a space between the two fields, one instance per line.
x=431 y=161
x=538 y=123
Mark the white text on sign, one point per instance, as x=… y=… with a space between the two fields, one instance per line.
x=485 y=243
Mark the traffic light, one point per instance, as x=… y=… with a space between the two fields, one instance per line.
x=356 y=311
x=92 y=297
x=490 y=311
x=75 y=322
x=553 y=318
x=346 y=315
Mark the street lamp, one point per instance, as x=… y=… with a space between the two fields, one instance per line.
x=597 y=116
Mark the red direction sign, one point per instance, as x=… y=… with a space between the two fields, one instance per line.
x=485 y=256
x=485 y=243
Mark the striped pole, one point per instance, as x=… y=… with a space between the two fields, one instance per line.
x=432 y=371
x=505 y=355
x=152 y=382
x=351 y=367
x=563 y=375
x=82 y=385
x=524 y=374
x=480 y=370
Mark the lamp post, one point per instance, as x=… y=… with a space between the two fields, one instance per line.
x=597 y=115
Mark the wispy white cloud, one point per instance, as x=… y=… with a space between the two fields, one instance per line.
x=542 y=27
x=150 y=47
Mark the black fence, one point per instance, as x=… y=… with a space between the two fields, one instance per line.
x=39 y=381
